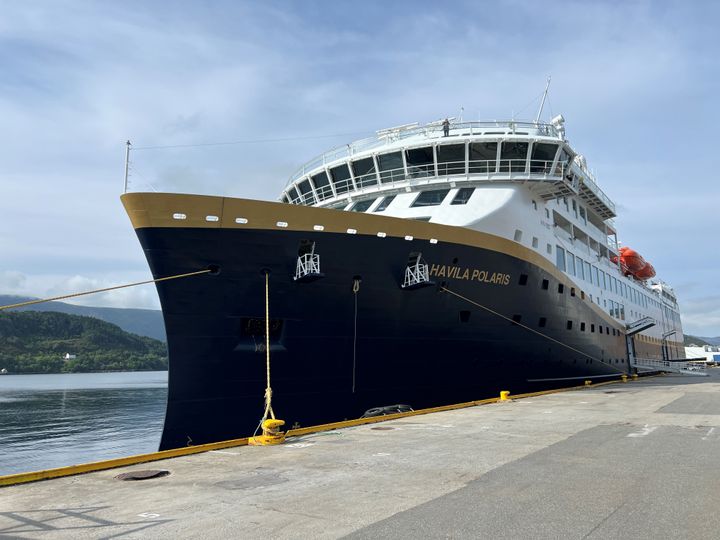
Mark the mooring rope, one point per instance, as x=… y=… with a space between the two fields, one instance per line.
x=84 y=293
x=268 y=389
x=530 y=329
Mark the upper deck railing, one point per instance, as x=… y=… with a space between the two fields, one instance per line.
x=429 y=131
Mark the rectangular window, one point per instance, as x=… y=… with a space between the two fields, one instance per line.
x=549 y=249
x=588 y=274
x=341 y=178
x=535 y=242
x=518 y=235
x=463 y=195
x=483 y=157
x=580 y=268
x=420 y=162
x=306 y=192
x=451 y=159
x=543 y=155
x=384 y=203
x=560 y=258
x=563 y=162
x=570 y=263
x=595 y=276
x=582 y=215
x=364 y=172
x=361 y=206
x=574 y=205
x=433 y=197
x=513 y=156
x=391 y=167
x=322 y=185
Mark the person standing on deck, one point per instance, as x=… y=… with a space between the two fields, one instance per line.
x=446 y=127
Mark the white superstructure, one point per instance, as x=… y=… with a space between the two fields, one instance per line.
x=517 y=180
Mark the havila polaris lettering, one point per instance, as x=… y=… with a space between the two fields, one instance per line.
x=471 y=274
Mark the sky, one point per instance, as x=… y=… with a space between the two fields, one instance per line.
x=637 y=83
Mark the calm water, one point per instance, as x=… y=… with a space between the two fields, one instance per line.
x=55 y=420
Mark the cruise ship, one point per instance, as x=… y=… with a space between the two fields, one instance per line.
x=426 y=265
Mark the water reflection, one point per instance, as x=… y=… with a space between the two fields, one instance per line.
x=55 y=420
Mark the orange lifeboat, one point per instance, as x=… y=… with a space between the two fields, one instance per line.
x=632 y=264
x=647 y=272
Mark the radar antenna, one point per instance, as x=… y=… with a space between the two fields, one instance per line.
x=542 y=103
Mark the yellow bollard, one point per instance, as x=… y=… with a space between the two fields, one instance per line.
x=624 y=378
x=504 y=395
x=635 y=376
x=271 y=433
x=588 y=383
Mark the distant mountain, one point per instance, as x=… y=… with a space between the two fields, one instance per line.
x=712 y=340
x=51 y=342
x=695 y=340
x=143 y=322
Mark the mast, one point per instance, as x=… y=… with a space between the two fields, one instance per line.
x=127 y=164
x=542 y=103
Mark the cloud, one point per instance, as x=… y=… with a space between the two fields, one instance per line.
x=11 y=281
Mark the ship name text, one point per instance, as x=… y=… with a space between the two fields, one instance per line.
x=470 y=274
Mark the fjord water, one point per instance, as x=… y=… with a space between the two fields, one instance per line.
x=51 y=421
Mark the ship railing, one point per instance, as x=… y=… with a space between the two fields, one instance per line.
x=416 y=273
x=307 y=264
x=592 y=186
x=685 y=368
x=429 y=131
x=493 y=170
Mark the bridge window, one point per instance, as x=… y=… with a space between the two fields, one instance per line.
x=391 y=167
x=483 y=157
x=463 y=195
x=384 y=203
x=361 y=206
x=293 y=194
x=322 y=185
x=420 y=162
x=306 y=192
x=430 y=198
x=364 y=172
x=451 y=159
x=341 y=178
x=513 y=156
x=563 y=162
x=543 y=155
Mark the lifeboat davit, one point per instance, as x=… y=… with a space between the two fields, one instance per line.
x=632 y=264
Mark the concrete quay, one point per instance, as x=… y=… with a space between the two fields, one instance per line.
x=629 y=460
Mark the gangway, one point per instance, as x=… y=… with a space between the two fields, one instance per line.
x=639 y=325
x=670 y=366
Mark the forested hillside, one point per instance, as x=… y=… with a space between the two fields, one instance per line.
x=37 y=342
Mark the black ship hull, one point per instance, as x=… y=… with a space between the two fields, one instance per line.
x=509 y=323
